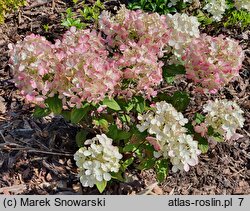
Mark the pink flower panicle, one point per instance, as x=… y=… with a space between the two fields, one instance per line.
x=34 y=67
x=211 y=62
x=141 y=38
x=85 y=68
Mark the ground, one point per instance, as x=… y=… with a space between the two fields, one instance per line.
x=36 y=154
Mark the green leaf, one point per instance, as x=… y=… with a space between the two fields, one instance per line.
x=130 y=147
x=123 y=135
x=199 y=118
x=81 y=138
x=180 y=100
x=129 y=106
x=190 y=128
x=127 y=163
x=203 y=145
x=112 y=104
x=148 y=163
x=103 y=124
x=169 y=79
x=78 y=113
x=172 y=70
x=217 y=137
x=117 y=176
x=161 y=168
x=113 y=131
x=210 y=131
x=116 y=134
x=55 y=104
x=101 y=185
x=163 y=97
x=140 y=104
x=66 y=115
x=41 y=112
x=125 y=118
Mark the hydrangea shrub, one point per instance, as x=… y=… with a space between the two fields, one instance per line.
x=107 y=81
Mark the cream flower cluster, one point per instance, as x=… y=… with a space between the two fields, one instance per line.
x=167 y=125
x=183 y=29
x=96 y=160
x=224 y=117
x=242 y=4
x=216 y=8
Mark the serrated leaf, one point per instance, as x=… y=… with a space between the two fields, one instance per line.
x=169 y=79
x=113 y=131
x=199 y=118
x=217 y=137
x=123 y=135
x=180 y=100
x=78 y=113
x=210 y=131
x=117 y=176
x=190 y=128
x=127 y=163
x=129 y=106
x=130 y=147
x=103 y=124
x=203 y=145
x=162 y=97
x=101 y=185
x=81 y=138
x=140 y=104
x=66 y=115
x=161 y=168
x=41 y=112
x=146 y=164
x=54 y=104
x=125 y=118
x=172 y=70
x=112 y=104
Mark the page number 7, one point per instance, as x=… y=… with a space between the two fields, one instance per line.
x=241 y=200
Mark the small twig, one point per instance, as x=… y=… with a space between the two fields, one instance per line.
x=61 y=2
x=53 y=5
x=3 y=136
x=29 y=149
x=148 y=190
x=248 y=134
x=51 y=153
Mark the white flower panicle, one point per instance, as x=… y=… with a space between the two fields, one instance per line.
x=216 y=8
x=242 y=4
x=174 y=2
x=183 y=152
x=168 y=127
x=183 y=29
x=224 y=117
x=96 y=160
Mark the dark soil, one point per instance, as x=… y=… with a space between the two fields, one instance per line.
x=36 y=155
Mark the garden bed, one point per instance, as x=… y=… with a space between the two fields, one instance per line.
x=36 y=155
